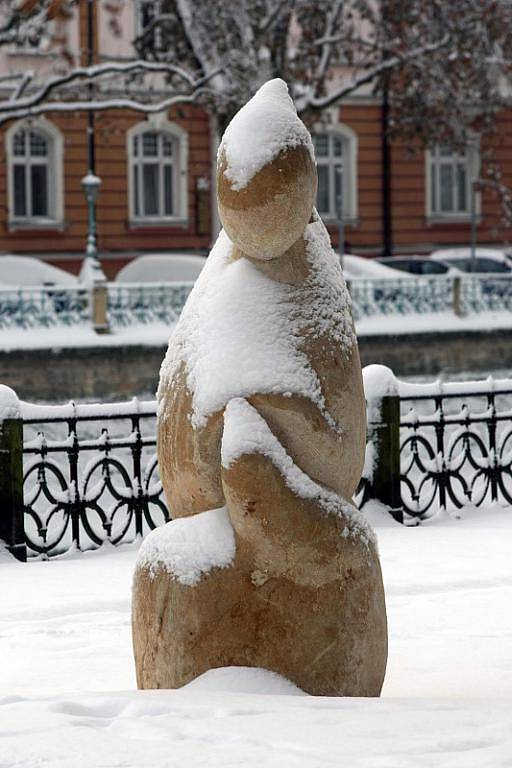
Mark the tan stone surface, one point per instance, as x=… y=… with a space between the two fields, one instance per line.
x=301 y=598
x=267 y=217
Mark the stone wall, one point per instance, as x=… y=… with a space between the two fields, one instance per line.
x=118 y=373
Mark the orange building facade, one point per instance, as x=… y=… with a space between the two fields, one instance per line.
x=58 y=232
x=157 y=189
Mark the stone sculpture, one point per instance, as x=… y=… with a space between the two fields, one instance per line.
x=261 y=441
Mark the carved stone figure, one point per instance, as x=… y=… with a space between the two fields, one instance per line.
x=261 y=441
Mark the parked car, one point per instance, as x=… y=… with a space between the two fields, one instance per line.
x=487 y=260
x=416 y=265
x=162 y=268
x=357 y=267
x=18 y=271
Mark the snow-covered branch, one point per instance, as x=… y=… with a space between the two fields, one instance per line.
x=106 y=104
x=39 y=101
x=369 y=75
x=30 y=20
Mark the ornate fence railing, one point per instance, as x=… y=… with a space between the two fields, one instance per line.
x=133 y=304
x=44 y=307
x=439 y=445
x=82 y=475
x=130 y=304
x=402 y=296
x=90 y=475
x=456 y=445
x=471 y=294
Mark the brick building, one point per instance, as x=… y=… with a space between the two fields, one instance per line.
x=157 y=173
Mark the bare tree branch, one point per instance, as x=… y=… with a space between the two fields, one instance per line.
x=38 y=102
x=369 y=75
x=103 y=105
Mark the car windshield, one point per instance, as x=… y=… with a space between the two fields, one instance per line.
x=396 y=264
x=416 y=266
x=429 y=267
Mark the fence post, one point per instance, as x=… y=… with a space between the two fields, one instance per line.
x=383 y=409
x=93 y=278
x=458 y=308
x=12 y=530
x=99 y=299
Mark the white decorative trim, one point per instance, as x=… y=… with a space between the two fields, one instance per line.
x=159 y=122
x=473 y=170
x=350 y=179
x=55 y=175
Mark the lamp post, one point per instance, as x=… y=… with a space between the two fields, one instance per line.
x=91 y=269
x=339 y=207
x=91 y=184
x=473 y=223
x=91 y=273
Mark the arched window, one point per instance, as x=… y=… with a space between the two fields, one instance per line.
x=449 y=178
x=34 y=153
x=336 y=159
x=158 y=173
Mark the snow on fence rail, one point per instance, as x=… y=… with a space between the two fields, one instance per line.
x=81 y=475
x=131 y=304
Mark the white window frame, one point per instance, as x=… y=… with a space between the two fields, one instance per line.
x=471 y=160
x=55 y=179
x=349 y=157
x=23 y=48
x=139 y=28
x=180 y=138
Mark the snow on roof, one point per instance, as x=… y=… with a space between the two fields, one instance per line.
x=265 y=126
x=245 y=432
x=189 y=547
x=240 y=332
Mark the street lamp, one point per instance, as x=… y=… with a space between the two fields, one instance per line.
x=473 y=223
x=91 y=273
x=91 y=269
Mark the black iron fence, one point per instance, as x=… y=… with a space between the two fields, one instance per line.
x=82 y=475
x=439 y=446
x=456 y=447
x=89 y=475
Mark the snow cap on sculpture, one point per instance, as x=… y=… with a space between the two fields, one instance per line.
x=266 y=175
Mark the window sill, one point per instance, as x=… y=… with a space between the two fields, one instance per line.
x=29 y=225
x=32 y=52
x=158 y=223
x=332 y=222
x=461 y=219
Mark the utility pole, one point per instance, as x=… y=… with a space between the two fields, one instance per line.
x=339 y=208
x=91 y=268
x=91 y=273
x=473 y=222
x=387 y=231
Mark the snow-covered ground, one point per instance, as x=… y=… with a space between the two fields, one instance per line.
x=67 y=685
